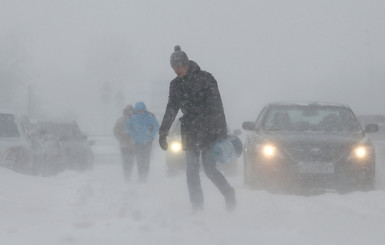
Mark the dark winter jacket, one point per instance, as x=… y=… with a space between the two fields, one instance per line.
x=142 y=125
x=198 y=97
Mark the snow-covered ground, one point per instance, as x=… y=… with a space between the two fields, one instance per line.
x=98 y=207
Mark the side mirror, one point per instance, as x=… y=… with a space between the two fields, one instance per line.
x=250 y=126
x=371 y=128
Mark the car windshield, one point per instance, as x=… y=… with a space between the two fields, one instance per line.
x=8 y=127
x=310 y=118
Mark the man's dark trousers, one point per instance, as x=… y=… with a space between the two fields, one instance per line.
x=193 y=179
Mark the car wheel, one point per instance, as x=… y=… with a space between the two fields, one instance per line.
x=17 y=159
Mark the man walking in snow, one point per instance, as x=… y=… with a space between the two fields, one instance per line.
x=126 y=141
x=195 y=93
x=142 y=126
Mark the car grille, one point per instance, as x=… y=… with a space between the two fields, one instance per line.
x=315 y=154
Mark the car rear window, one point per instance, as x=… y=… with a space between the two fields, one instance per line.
x=61 y=130
x=8 y=127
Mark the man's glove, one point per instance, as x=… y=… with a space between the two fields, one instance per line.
x=163 y=142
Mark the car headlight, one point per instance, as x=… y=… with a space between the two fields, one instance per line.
x=360 y=152
x=268 y=151
x=176 y=146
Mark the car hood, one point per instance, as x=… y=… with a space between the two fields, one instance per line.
x=319 y=138
x=315 y=146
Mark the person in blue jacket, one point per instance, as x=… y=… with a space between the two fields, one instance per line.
x=142 y=126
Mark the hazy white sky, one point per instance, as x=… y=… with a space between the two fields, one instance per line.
x=259 y=51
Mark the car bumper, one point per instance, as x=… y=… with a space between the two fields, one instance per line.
x=339 y=175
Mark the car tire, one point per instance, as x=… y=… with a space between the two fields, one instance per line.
x=17 y=159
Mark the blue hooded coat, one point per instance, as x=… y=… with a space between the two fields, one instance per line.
x=142 y=125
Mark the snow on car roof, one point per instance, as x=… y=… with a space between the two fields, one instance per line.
x=308 y=103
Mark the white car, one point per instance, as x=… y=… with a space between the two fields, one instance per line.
x=72 y=145
x=17 y=150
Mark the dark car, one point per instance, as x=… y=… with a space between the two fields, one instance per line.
x=72 y=146
x=302 y=146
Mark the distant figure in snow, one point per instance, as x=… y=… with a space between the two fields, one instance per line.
x=196 y=94
x=126 y=141
x=142 y=126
